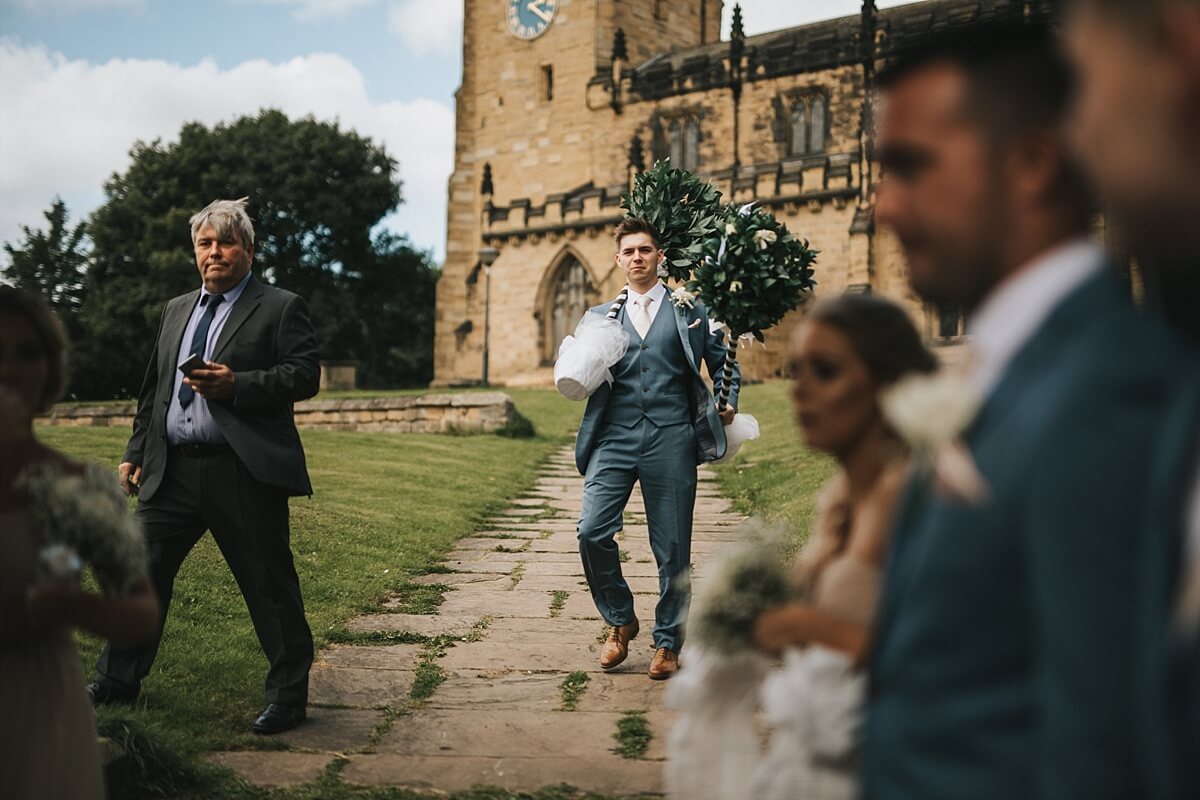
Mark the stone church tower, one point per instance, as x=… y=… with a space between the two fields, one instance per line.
x=562 y=102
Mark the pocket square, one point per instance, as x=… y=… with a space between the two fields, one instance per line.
x=695 y=325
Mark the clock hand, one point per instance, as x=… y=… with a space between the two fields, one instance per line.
x=536 y=7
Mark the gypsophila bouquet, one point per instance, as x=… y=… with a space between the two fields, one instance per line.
x=742 y=582
x=87 y=517
x=684 y=210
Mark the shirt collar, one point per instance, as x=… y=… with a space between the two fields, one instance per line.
x=656 y=293
x=232 y=295
x=1011 y=315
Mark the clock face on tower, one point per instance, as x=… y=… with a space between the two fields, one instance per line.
x=529 y=19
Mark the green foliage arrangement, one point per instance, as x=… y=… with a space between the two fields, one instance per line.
x=684 y=210
x=753 y=273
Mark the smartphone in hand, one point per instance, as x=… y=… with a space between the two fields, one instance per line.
x=192 y=363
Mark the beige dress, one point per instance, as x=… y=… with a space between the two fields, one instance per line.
x=48 y=745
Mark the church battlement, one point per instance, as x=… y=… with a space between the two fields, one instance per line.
x=555 y=118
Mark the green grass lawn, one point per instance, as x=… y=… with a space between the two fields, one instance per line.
x=386 y=507
x=776 y=477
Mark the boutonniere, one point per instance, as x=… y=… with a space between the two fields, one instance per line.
x=930 y=412
x=682 y=298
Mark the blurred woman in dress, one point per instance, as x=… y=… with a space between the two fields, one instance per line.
x=848 y=350
x=56 y=515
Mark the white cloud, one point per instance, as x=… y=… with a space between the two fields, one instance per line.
x=70 y=124
x=72 y=6
x=311 y=10
x=428 y=27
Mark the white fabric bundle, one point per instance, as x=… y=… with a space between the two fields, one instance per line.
x=814 y=707
x=584 y=359
x=744 y=428
x=714 y=747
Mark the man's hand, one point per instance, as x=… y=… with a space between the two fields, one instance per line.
x=214 y=383
x=131 y=477
x=727 y=415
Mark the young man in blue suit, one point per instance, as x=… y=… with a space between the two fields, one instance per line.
x=1002 y=662
x=1136 y=126
x=652 y=425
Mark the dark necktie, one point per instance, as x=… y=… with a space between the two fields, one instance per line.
x=200 y=340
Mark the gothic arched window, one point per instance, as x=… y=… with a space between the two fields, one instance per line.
x=808 y=129
x=691 y=145
x=571 y=295
x=675 y=144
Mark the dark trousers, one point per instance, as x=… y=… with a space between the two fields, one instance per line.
x=249 y=521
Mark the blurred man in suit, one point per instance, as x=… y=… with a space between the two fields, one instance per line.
x=1136 y=126
x=216 y=449
x=1003 y=654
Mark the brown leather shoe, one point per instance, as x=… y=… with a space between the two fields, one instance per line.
x=664 y=665
x=616 y=648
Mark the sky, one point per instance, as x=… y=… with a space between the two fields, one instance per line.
x=81 y=81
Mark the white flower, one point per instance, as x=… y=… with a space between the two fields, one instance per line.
x=931 y=412
x=764 y=238
x=735 y=286
x=662 y=269
x=730 y=229
x=60 y=562
x=682 y=298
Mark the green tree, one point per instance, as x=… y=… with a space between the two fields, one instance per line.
x=316 y=192
x=52 y=262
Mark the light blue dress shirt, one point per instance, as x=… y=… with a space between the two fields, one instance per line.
x=194 y=424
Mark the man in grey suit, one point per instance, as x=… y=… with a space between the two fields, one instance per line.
x=1136 y=126
x=217 y=449
x=1002 y=663
x=652 y=425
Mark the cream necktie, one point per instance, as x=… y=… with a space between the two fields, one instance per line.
x=641 y=315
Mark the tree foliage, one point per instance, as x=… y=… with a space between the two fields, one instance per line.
x=682 y=208
x=316 y=192
x=53 y=263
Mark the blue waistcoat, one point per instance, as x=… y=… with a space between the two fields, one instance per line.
x=651 y=378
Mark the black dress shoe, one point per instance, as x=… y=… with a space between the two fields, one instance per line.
x=105 y=694
x=279 y=717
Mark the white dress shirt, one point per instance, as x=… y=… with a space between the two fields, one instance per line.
x=657 y=295
x=1014 y=311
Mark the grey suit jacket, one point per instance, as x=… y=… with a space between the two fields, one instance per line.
x=701 y=344
x=269 y=343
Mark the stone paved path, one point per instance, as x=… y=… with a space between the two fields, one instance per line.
x=522 y=621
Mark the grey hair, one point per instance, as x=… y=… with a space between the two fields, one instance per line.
x=228 y=217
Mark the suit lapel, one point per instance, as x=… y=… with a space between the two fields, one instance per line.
x=242 y=309
x=173 y=327
x=681 y=323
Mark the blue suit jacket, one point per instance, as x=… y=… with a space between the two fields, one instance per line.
x=1169 y=660
x=1003 y=665
x=700 y=344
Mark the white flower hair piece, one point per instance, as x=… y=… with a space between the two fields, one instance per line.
x=931 y=412
x=682 y=298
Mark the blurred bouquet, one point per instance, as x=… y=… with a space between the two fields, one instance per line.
x=743 y=581
x=84 y=519
x=714 y=747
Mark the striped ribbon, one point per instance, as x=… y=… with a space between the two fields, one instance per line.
x=619 y=303
x=727 y=376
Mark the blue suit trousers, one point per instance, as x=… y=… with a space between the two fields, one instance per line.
x=663 y=461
